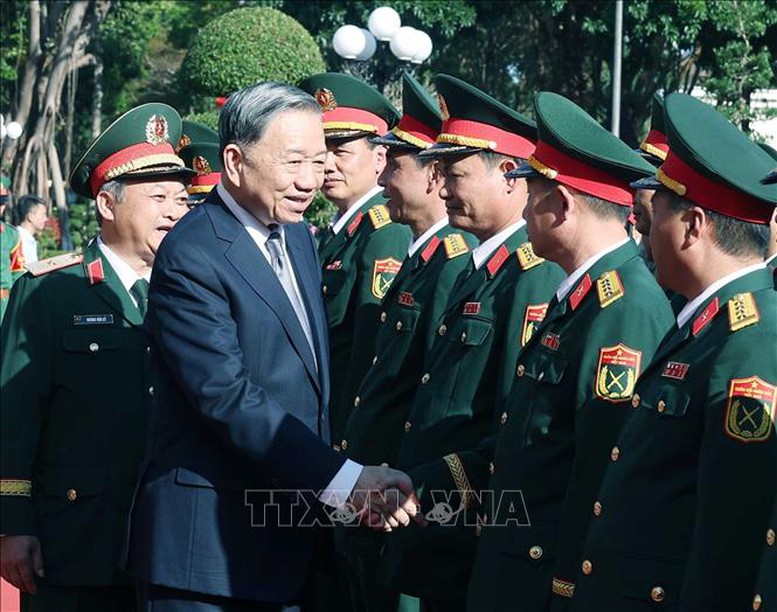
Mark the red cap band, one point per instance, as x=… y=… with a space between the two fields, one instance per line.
x=206 y=179
x=417 y=129
x=345 y=118
x=484 y=136
x=691 y=185
x=134 y=157
x=656 y=144
x=588 y=179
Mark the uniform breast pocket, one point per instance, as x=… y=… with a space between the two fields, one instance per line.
x=89 y=349
x=472 y=332
x=335 y=286
x=543 y=368
x=667 y=401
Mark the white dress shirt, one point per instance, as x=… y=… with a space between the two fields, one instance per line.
x=29 y=245
x=418 y=242
x=340 y=221
x=483 y=251
x=124 y=271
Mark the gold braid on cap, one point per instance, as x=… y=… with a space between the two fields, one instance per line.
x=670 y=183
x=653 y=150
x=143 y=162
x=544 y=170
x=413 y=140
x=466 y=141
x=349 y=125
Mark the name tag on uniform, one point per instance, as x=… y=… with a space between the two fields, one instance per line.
x=676 y=370
x=93 y=319
x=471 y=308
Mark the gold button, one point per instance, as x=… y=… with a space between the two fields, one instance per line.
x=442 y=329
x=72 y=495
x=597 y=508
x=491 y=468
x=383 y=317
x=357 y=400
x=375 y=360
x=503 y=418
x=344 y=445
x=635 y=400
x=770 y=537
x=535 y=552
x=661 y=405
x=323 y=289
x=425 y=378
x=757 y=601
x=407 y=426
x=463 y=336
x=520 y=370
x=399 y=325
x=587 y=567
x=151 y=390
x=94 y=347
x=657 y=594
x=615 y=453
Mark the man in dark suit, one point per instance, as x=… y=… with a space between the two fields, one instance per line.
x=239 y=457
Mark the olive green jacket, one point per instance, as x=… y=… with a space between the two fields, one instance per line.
x=75 y=405
x=359 y=264
x=489 y=316
x=688 y=494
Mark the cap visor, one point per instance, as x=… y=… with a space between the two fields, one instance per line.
x=525 y=170
x=182 y=172
x=441 y=149
x=770 y=178
x=649 y=182
x=390 y=140
x=649 y=158
x=346 y=134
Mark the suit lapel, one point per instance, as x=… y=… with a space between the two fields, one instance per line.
x=106 y=284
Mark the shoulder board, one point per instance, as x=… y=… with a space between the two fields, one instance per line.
x=379 y=215
x=39 y=268
x=705 y=317
x=430 y=248
x=742 y=311
x=497 y=260
x=579 y=292
x=455 y=245
x=354 y=224
x=610 y=288
x=527 y=258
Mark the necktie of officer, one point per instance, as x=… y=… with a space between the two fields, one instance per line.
x=282 y=268
x=139 y=291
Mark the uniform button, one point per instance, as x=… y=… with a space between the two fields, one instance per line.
x=520 y=370
x=757 y=602
x=383 y=317
x=491 y=468
x=587 y=567
x=399 y=325
x=151 y=390
x=72 y=495
x=661 y=405
x=344 y=445
x=148 y=350
x=375 y=360
x=425 y=378
x=635 y=400
x=535 y=552
x=503 y=418
x=657 y=594
x=463 y=337
x=357 y=400
x=615 y=453
x=770 y=537
x=442 y=329
x=408 y=425
x=597 y=508
x=323 y=289
x=94 y=347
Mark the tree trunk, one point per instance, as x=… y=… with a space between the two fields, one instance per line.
x=97 y=100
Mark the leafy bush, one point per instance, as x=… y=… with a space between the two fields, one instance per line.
x=249 y=45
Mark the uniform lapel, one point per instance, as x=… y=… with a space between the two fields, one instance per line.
x=106 y=284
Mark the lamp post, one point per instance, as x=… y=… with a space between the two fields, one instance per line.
x=358 y=44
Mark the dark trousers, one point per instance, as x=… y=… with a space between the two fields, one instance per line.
x=50 y=598
x=154 y=598
x=367 y=594
x=443 y=606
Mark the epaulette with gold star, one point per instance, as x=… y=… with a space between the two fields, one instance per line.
x=610 y=288
x=742 y=311
x=455 y=245
x=39 y=268
x=527 y=259
x=379 y=215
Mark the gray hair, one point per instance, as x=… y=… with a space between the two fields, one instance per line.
x=247 y=113
x=115 y=189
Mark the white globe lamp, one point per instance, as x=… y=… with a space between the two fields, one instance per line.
x=349 y=41
x=405 y=43
x=369 y=48
x=384 y=22
x=14 y=130
x=424 y=48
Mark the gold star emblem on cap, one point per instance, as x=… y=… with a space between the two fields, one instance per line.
x=326 y=99
x=156 y=130
x=201 y=166
x=443 y=108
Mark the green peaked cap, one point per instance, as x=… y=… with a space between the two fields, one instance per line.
x=351 y=107
x=420 y=122
x=576 y=151
x=191 y=131
x=655 y=146
x=712 y=163
x=474 y=121
x=770 y=178
x=137 y=145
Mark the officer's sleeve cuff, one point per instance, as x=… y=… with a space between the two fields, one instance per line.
x=340 y=487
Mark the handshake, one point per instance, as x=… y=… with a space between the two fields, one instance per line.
x=385 y=499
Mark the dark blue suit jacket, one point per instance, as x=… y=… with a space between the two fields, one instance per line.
x=239 y=415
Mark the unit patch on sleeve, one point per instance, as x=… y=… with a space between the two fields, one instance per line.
x=383 y=273
x=751 y=409
x=617 y=372
x=535 y=313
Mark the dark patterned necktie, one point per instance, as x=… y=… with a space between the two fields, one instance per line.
x=139 y=291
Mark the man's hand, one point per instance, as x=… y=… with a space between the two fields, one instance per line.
x=386 y=498
x=20 y=561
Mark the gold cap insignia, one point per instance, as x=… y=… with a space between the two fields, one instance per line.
x=183 y=141
x=443 y=108
x=326 y=99
x=201 y=166
x=156 y=130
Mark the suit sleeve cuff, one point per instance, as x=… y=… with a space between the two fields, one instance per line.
x=340 y=487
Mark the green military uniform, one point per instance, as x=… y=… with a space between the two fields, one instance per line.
x=361 y=260
x=685 y=504
x=571 y=383
x=490 y=314
x=76 y=391
x=11 y=262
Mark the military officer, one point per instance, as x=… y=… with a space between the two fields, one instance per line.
x=683 y=511
x=412 y=304
x=362 y=251
x=74 y=378
x=11 y=259
x=574 y=378
x=489 y=315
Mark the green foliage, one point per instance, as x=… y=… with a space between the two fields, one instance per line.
x=249 y=45
x=320 y=212
x=211 y=119
x=83 y=223
x=13 y=40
